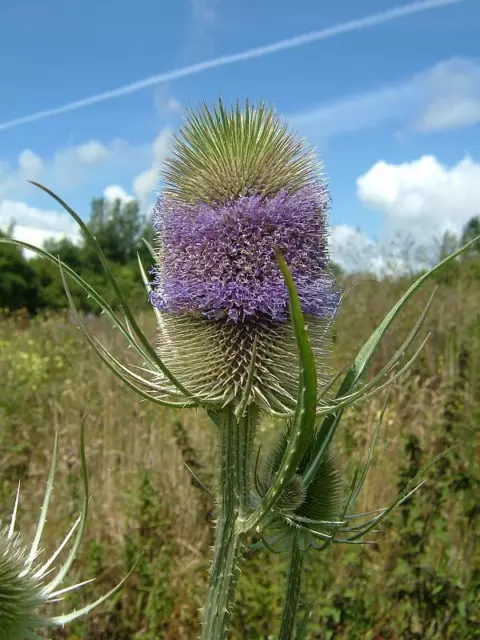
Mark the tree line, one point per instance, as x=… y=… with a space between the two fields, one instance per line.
x=35 y=284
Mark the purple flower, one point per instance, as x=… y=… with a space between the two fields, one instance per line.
x=219 y=261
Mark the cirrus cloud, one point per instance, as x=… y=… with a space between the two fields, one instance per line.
x=443 y=97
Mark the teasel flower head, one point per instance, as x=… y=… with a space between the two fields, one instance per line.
x=317 y=507
x=240 y=186
x=28 y=584
x=309 y=512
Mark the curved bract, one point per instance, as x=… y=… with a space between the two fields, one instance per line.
x=26 y=583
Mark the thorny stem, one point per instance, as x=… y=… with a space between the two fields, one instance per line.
x=292 y=594
x=236 y=445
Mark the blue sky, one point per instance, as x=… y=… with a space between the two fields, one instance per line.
x=393 y=108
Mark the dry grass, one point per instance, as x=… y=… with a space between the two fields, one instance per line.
x=143 y=499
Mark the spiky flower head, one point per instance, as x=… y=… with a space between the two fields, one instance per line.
x=27 y=584
x=223 y=154
x=308 y=512
x=239 y=186
x=20 y=589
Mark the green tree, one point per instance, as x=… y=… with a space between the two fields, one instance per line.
x=472 y=230
x=66 y=250
x=118 y=227
x=18 y=281
x=448 y=244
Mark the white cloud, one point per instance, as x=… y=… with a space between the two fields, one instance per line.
x=144 y=183
x=35 y=225
x=77 y=166
x=92 y=152
x=72 y=167
x=446 y=96
x=165 y=102
x=449 y=113
x=423 y=196
x=116 y=192
x=173 y=104
x=204 y=11
x=453 y=88
x=29 y=162
x=358 y=111
x=352 y=249
x=160 y=146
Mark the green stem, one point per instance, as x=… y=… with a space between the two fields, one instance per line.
x=292 y=595
x=236 y=445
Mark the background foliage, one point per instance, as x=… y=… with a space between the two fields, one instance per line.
x=35 y=283
x=421 y=578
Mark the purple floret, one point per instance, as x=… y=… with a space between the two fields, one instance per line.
x=219 y=260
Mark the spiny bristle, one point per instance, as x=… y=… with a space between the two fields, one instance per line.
x=20 y=591
x=324 y=496
x=222 y=154
x=212 y=359
x=314 y=507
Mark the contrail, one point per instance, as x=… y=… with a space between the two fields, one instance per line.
x=249 y=54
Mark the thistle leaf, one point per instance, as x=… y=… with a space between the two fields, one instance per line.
x=114 y=366
x=304 y=421
x=361 y=362
x=119 y=293
x=368 y=463
x=403 y=495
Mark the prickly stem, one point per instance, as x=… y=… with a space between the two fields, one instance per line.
x=236 y=438
x=292 y=594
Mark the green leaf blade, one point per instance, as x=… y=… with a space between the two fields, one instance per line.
x=304 y=420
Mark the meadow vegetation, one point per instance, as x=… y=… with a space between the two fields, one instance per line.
x=421 y=578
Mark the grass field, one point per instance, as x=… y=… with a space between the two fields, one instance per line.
x=422 y=578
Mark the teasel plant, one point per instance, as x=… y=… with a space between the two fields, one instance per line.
x=26 y=583
x=244 y=302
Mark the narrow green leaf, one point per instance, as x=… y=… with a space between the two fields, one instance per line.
x=304 y=420
x=151 y=250
x=361 y=362
x=302 y=630
x=46 y=502
x=366 y=352
x=62 y=620
x=102 y=303
x=404 y=494
x=116 y=367
x=198 y=481
x=121 y=298
x=368 y=463
x=285 y=540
